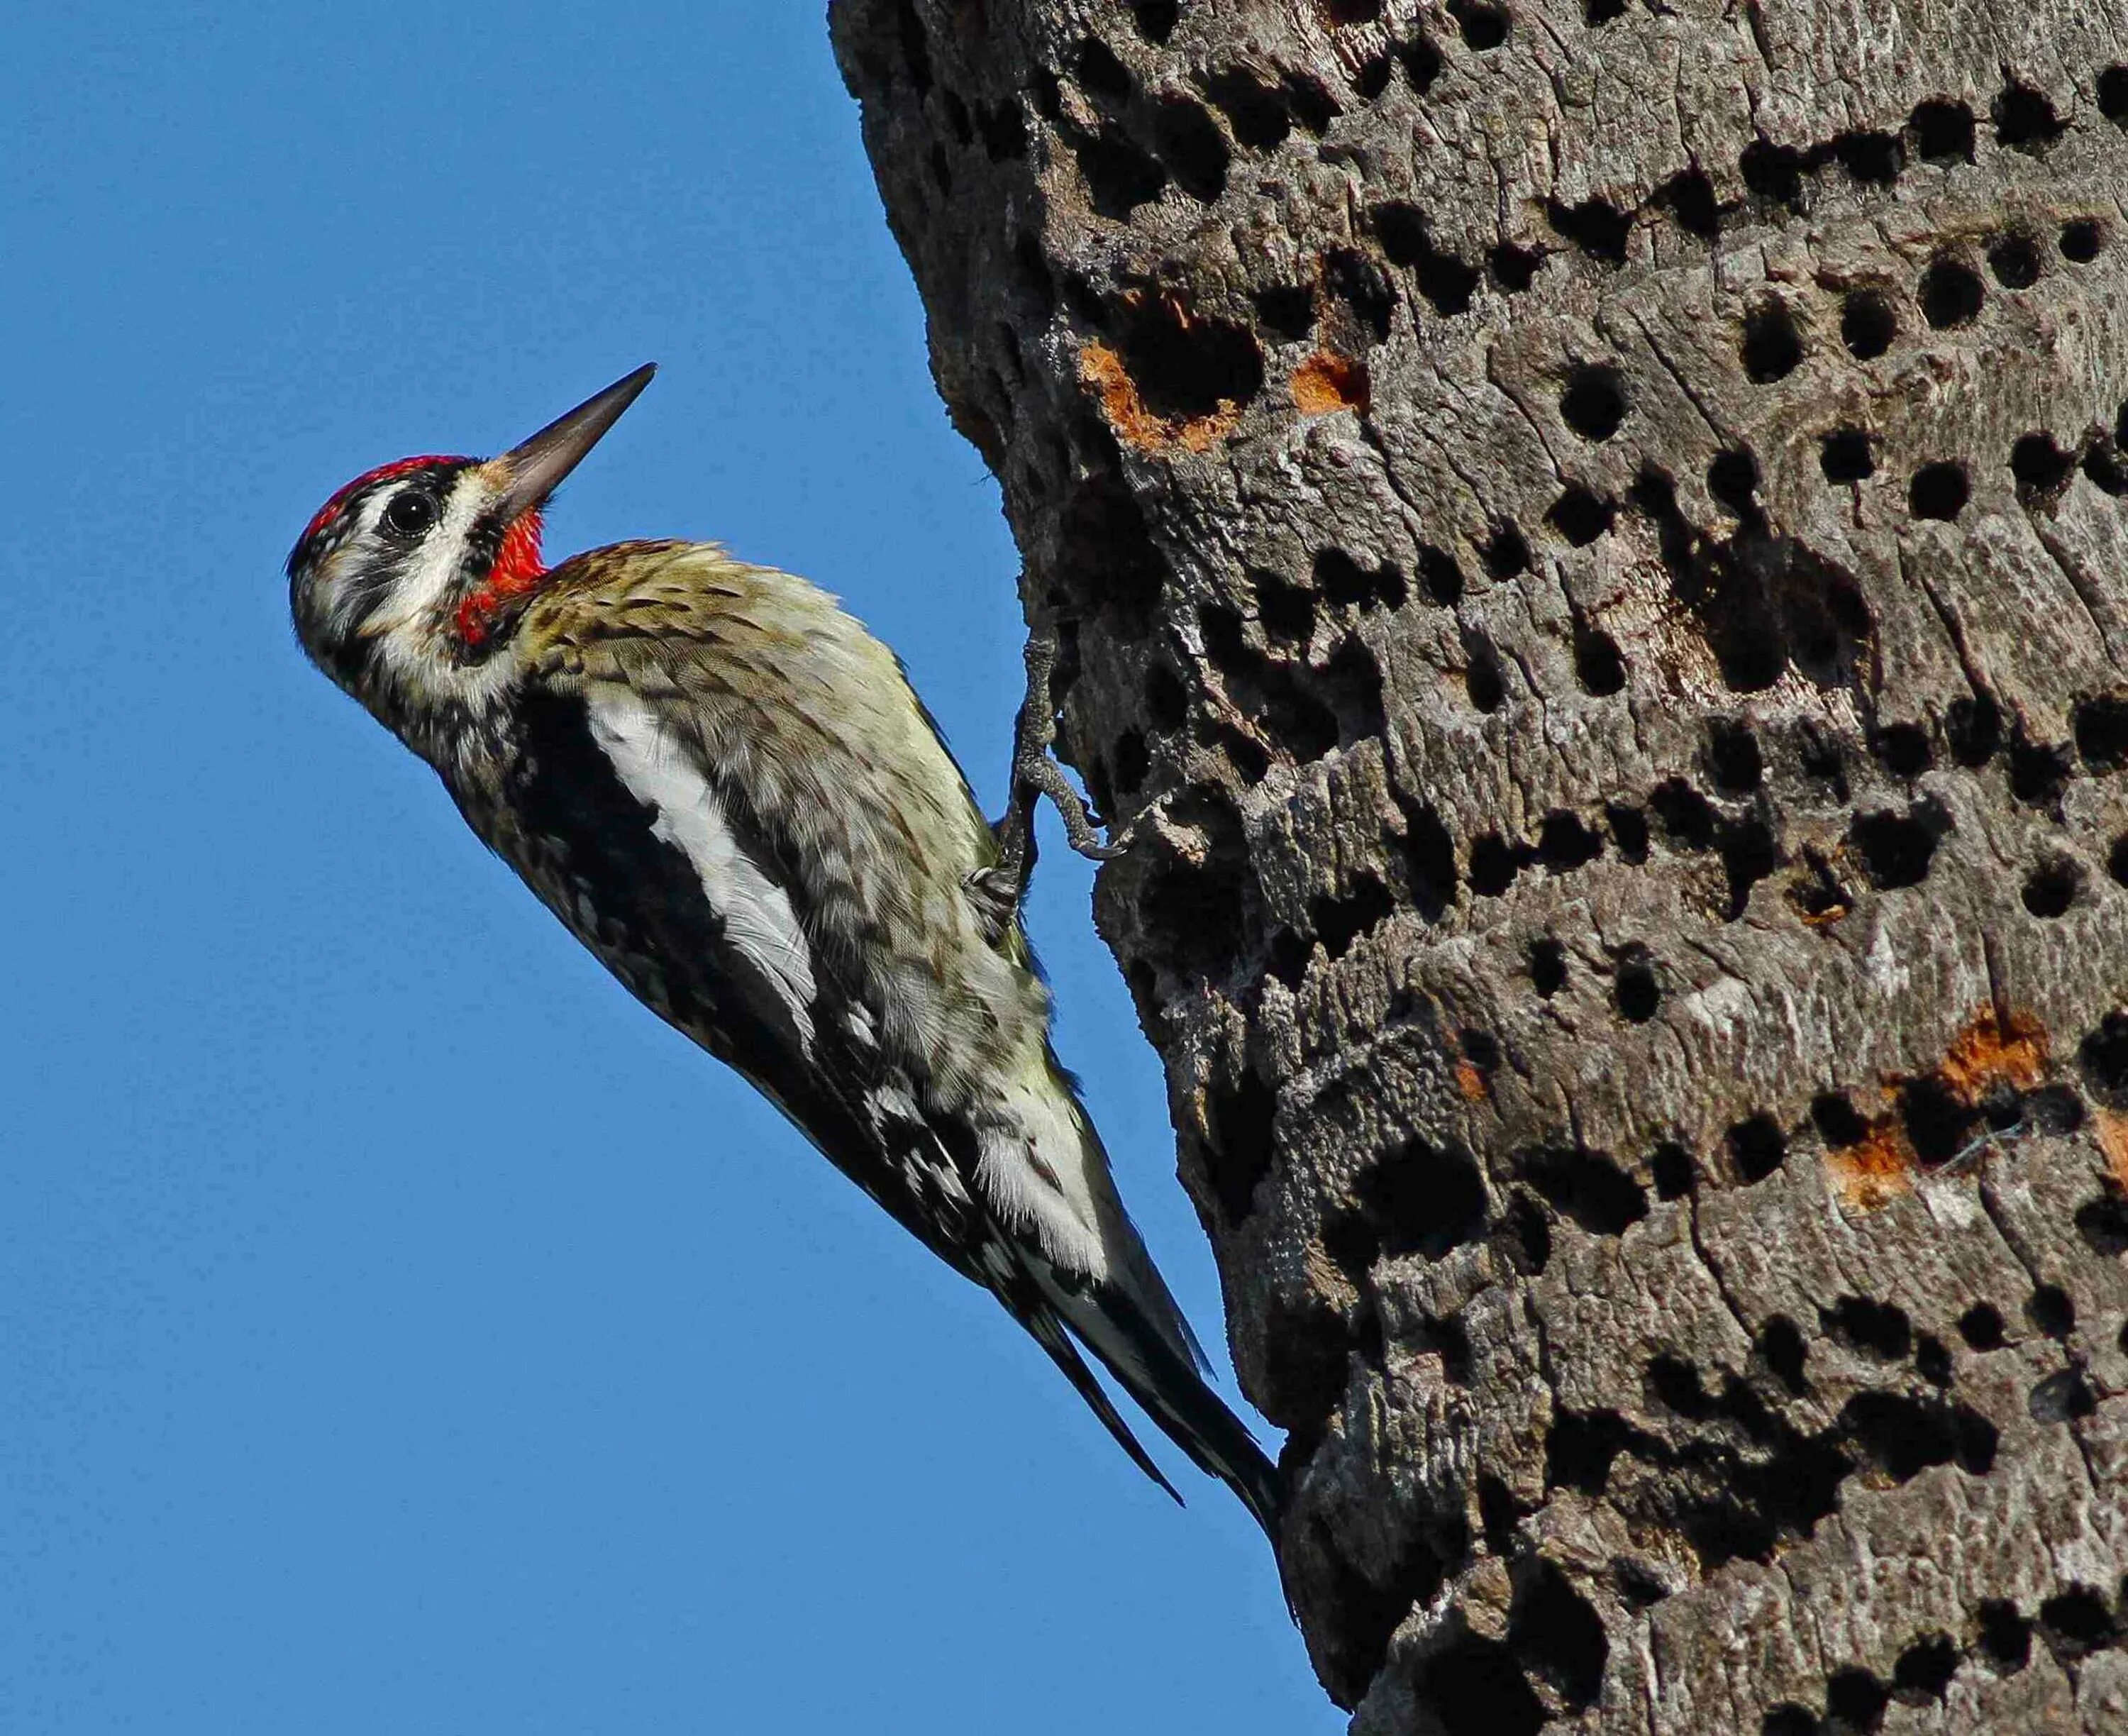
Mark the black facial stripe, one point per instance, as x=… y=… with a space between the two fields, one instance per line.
x=435 y=474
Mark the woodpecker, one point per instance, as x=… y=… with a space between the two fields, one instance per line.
x=724 y=787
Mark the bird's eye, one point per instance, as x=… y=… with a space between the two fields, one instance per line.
x=411 y=515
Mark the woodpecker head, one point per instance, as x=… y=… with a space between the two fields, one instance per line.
x=409 y=578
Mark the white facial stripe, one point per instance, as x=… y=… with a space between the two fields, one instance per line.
x=433 y=567
x=756 y=912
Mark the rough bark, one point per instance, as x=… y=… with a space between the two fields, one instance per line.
x=1593 y=545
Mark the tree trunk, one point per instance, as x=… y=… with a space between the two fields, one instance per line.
x=1591 y=547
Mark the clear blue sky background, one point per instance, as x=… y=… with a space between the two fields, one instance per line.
x=399 y=1330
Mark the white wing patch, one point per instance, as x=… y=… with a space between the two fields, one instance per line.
x=757 y=913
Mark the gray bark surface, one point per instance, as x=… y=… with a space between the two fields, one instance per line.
x=1592 y=546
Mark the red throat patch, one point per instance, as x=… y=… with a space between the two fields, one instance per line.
x=517 y=570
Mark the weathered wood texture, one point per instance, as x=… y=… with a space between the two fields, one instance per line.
x=1594 y=551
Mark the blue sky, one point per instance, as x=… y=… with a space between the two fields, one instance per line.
x=400 y=1328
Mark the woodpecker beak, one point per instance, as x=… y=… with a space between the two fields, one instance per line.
x=533 y=470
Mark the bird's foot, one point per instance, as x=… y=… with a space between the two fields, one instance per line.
x=1036 y=773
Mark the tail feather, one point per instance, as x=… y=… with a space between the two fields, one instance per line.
x=1048 y=1332
x=1161 y=1380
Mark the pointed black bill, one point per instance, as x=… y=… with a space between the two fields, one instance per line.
x=534 y=469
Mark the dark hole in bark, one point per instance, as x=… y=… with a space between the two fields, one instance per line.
x=1931 y=1360
x=1772 y=171
x=1498 y=1514
x=1373 y=77
x=2026 y=120
x=2101 y=732
x=1288 y=312
x=1564 y=843
x=2102 y=467
x=1343 y=581
x=1902 y=749
x=1732 y=479
x=1482 y=26
x=1635 y=987
x=1493 y=866
x=2039 y=773
x=1119 y=174
x=1310 y=101
x=1525 y=1237
x=2077 y=1622
x=1512 y=267
x=1593 y=403
x=1687 y=819
x=1099 y=72
x=1670 y=1164
x=1936 y=1122
x=1906 y=1432
x=1981 y=1326
x=1597 y=227
x=1689 y=198
x=2080 y=241
x=1423 y=1199
x=1896 y=849
x=1586 y=1186
x=1557 y=1634
x=1429 y=857
x=915 y=54
x=1256 y=113
x=1338 y=922
x=1878 y=1329
x=1166 y=702
x=1771 y=346
x=2113 y=95
x=1287 y=610
x=2050 y=888
x=1421 y=61
x=2040 y=467
x=1629 y=831
x=1788 y=1720
x=1872 y=157
x=1749 y=853
x=1474 y=1687
x=1867 y=325
x=2065 y=1397
x=1597 y=663
x=1733 y=759
x=1973 y=728
x=1130 y=762
x=1951 y=293
x=1363 y=285
x=2015 y=261
x=1939 y=492
x=1837 y=1121
x=2006 y=1637
x=1445 y=280
x=1189 y=142
x=1855 y=1701
x=1242 y=1140
x=2102 y=1222
x=2102 y=1056
x=1942 y=131
x=1506 y=552
x=1781 y=1346
x=1547 y=967
x=1675 y=1385
x=1579 y=517
x=2050 y=1309
x=1155 y=19
x=1756 y=1148
x=1481 y=675
x=1481 y=1048
x=2054 y=1109
x=1844 y=456
x=1186 y=369
x=1439 y=576
x=1352 y=11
